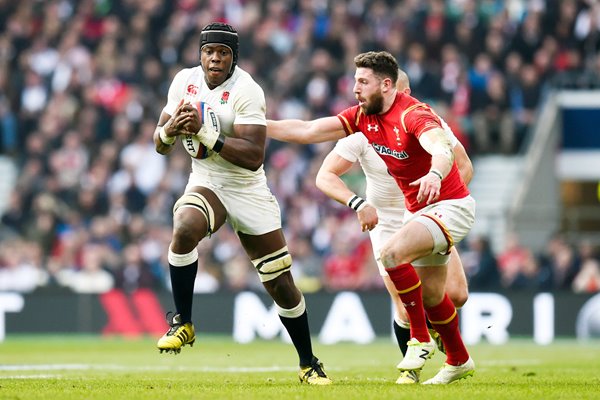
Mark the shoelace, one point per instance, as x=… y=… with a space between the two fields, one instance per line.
x=410 y=373
x=318 y=368
x=172 y=330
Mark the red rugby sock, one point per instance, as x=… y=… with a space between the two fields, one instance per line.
x=409 y=289
x=444 y=320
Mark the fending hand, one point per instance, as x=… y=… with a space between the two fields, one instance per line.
x=430 y=186
x=367 y=217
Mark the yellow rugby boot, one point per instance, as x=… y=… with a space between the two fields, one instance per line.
x=177 y=336
x=314 y=374
x=437 y=339
x=409 y=377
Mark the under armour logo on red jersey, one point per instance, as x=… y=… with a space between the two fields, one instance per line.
x=372 y=127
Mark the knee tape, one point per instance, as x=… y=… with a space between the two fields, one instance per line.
x=272 y=265
x=199 y=202
x=181 y=260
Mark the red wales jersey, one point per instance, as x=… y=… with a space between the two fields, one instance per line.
x=395 y=137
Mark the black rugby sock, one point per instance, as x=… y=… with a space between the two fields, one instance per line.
x=300 y=335
x=182 y=282
x=402 y=337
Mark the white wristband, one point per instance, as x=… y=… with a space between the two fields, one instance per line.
x=208 y=136
x=356 y=203
x=168 y=140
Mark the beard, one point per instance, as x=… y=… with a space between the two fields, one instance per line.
x=375 y=106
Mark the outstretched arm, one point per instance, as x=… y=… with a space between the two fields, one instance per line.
x=305 y=132
x=330 y=183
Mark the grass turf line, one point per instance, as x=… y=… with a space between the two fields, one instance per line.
x=77 y=367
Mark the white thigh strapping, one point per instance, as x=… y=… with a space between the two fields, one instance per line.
x=448 y=221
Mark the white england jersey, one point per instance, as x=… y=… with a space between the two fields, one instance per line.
x=238 y=100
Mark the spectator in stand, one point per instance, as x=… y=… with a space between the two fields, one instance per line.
x=480 y=265
x=134 y=272
x=425 y=84
x=436 y=27
x=41 y=225
x=559 y=263
x=529 y=97
x=91 y=274
x=478 y=75
x=344 y=268
x=528 y=277
x=69 y=162
x=21 y=268
x=8 y=121
x=514 y=261
x=143 y=165
x=529 y=36
x=493 y=123
x=308 y=267
x=14 y=217
x=587 y=279
x=451 y=69
x=495 y=47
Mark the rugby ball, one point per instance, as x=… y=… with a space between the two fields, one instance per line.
x=191 y=143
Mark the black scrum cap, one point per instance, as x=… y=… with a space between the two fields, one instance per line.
x=225 y=34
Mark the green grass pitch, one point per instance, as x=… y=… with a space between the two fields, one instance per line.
x=76 y=367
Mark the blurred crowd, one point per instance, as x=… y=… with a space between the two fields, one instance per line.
x=82 y=83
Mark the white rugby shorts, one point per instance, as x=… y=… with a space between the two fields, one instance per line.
x=453 y=218
x=389 y=223
x=251 y=207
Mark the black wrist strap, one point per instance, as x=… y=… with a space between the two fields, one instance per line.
x=355 y=203
x=219 y=143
